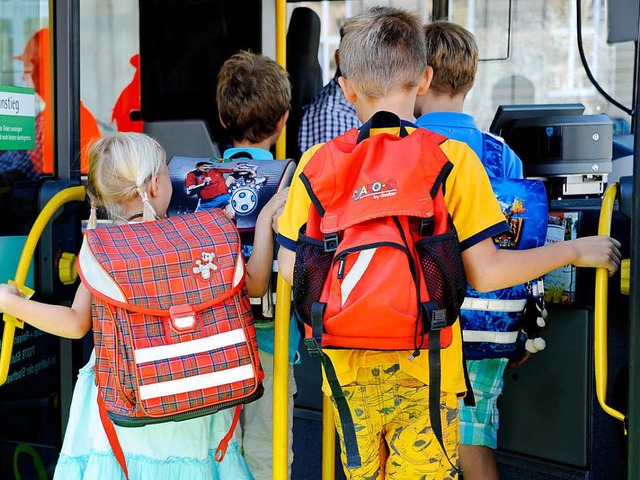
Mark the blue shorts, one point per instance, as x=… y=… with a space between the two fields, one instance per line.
x=219 y=201
x=479 y=424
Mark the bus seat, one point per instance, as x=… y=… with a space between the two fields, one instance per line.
x=303 y=42
x=187 y=138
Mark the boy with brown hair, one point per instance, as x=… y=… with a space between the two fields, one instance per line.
x=386 y=391
x=452 y=53
x=254 y=96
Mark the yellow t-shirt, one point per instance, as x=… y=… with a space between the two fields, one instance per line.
x=476 y=215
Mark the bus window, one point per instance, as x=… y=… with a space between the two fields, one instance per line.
x=31 y=392
x=25 y=84
x=544 y=68
x=110 y=64
x=332 y=16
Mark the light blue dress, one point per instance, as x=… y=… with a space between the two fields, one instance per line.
x=168 y=451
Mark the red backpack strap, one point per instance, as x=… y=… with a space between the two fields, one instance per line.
x=110 y=430
x=224 y=443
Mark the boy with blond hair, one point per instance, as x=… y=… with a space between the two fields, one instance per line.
x=254 y=96
x=452 y=53
x=387 y=392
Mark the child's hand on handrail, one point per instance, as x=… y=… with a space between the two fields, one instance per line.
x=6 y=291
x=598 y=251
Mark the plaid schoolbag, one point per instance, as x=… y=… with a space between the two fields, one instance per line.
x=378 y=264
x=173 y=330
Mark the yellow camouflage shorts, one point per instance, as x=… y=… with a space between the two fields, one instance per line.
x=390 y=410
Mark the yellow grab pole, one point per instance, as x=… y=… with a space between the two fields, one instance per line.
x=600 y=309
x=328 y=440
x=281 y=58
x=281 y=381
x=283 y=305
x=10 y=322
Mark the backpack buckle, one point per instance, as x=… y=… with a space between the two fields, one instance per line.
x=434 y=316
x=331 y=241
x=312 y=347
x=426 y=227
x=183 y=318
x=439 y=319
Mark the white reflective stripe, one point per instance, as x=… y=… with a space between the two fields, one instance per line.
x=153 y=354
x=356 y=272
x=493 y=304
x=493 y=337
x=96 y=276
x=239 y=271
x=198 y=382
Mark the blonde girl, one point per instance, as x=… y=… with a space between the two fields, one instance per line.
x=129 y=179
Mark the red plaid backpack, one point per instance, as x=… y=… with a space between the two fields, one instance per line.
x=378 y=264
x=173 y=330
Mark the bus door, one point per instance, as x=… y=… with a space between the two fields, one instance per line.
x=39 y=157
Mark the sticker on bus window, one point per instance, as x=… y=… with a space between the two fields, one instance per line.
x=17 y=118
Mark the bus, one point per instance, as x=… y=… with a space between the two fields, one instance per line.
x=72 y=70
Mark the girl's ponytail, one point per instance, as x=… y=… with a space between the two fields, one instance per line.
x=148 y=212
x=93 y=217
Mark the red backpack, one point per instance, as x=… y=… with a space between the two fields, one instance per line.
x=173 y=330
x=378 y=264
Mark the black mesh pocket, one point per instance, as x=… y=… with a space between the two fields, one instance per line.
x=441 y=264
x=309 y=275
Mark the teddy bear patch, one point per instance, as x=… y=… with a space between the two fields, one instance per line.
x=204 y=266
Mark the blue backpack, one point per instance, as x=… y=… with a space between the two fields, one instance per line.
x=493 y=322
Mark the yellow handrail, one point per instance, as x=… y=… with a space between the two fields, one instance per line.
x=280 y=448
x=10 y=322
x=328 y=440
x=281 y=58
x=600 y=309
x=281 y=381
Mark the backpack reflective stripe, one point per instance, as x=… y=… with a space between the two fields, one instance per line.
x=493 y=337
x=493 y=304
